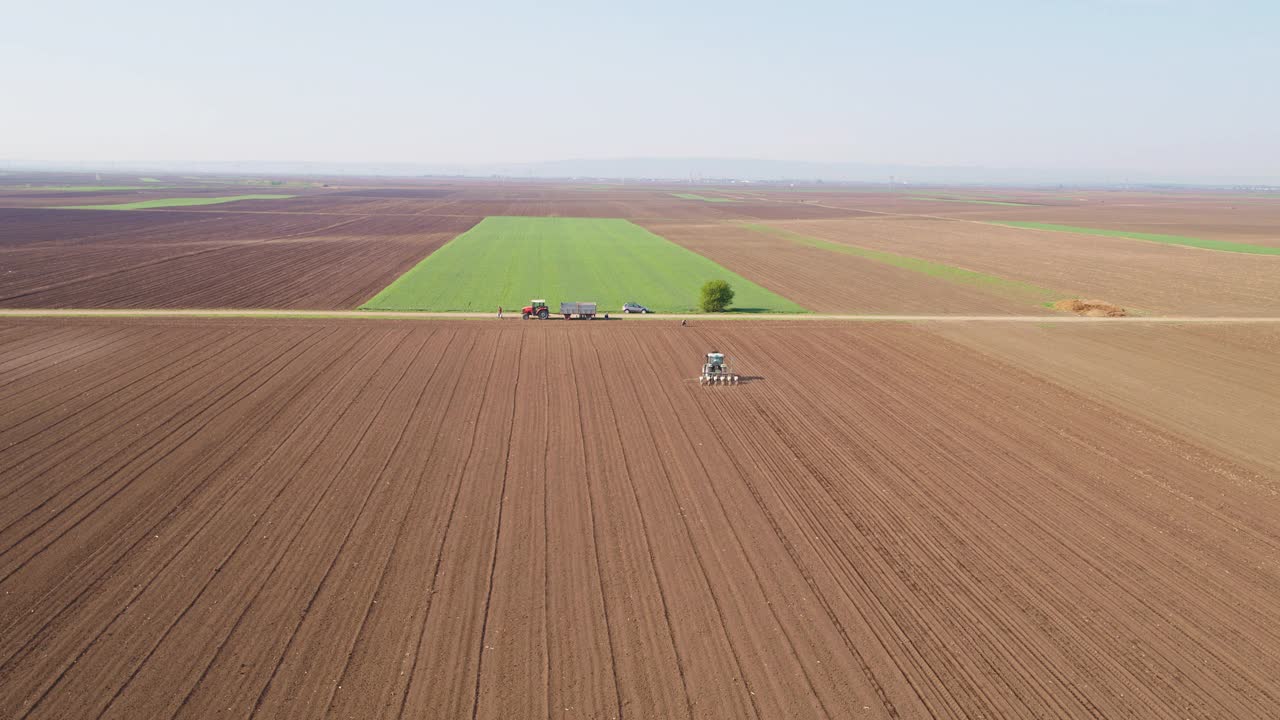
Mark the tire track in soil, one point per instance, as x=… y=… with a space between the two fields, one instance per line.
x=715 y=670
x=870 y=595
x=455 y=617
x=401 y=586
x=650 y=670
x=391 y=633
x=77 y=358
x=786 y=585
x=115 y=479
x=497 y=540
x=1137 y=569
x=784 y=688
x=845 y=422
x=288 y=596
x=70 y=599
x=358 y=519
x=71 y=400
x=649 y=649
x=112 y=488
x=305 y=680
x=752 y=443
x=810 y=453
x=114 y=657
x=580 y=662
x=71 y=435
x=40 y=348
x=20 y=393
x=593 y=520
x=512 y=679
x=307 y=498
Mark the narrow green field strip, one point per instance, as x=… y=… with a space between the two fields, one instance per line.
x=174 y=202
x=507 y=261
x=993 y=284
x=1223 y=245
x=970 y=196
x=691 y=196
x=150 y=180
x=975 y=202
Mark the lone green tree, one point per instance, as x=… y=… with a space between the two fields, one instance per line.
x=717 y=296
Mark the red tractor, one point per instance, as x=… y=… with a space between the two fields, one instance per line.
x=535 y=308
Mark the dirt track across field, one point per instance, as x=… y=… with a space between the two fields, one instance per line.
x=287 y=518
x=751 y=317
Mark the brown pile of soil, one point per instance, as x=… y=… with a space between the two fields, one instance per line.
x=1090 y=308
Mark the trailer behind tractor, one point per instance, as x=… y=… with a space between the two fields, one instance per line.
x=584 y=310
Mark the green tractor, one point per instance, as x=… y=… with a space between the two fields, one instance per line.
x=535 y=308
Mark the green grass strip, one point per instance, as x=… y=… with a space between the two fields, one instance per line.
x=994 y=284
x=975 y=202
x=175 y=202
x=507 y=261
x=1206 y=244
x=691 y=196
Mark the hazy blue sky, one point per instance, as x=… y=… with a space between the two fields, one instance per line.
x=1165 y=85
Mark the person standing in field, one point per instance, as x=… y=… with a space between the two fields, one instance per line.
x=499 y=312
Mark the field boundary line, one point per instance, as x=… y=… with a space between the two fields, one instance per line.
x=268 y=314
x=648 y=544
x=497 y=530
x=588 y=474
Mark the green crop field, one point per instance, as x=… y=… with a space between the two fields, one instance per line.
x=1223 y=245
x=508 y=261
x=970 y=200
x=691 y=196
x=174 y=202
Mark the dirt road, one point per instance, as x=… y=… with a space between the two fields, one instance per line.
x=655 y=318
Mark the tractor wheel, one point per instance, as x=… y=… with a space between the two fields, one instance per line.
x=543 y=315
x=525 y=316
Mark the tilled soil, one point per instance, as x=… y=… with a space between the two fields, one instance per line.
x=513 y=519
x=1139 y=276
x=1212 y=382
x=826 y=281
x=150 y=259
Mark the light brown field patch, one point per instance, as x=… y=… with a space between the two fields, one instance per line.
x=1214 y=383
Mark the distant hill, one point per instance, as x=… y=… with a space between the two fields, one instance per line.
x=678 y=169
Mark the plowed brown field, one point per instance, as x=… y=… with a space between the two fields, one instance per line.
x=1233 y=218
x=1150 y=277
x=1214 y=383
x=149 y=259
x=830 y=282
x=505 y=519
